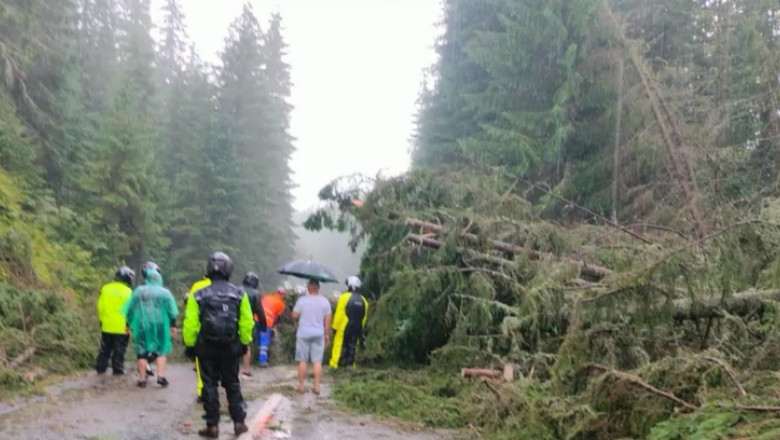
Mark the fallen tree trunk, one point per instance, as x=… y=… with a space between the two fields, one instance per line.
x=756 y=408
x=680 y=163
x=479 y=372
x=729 y=372
x=641 y=383
x=22 y=358
x=508 y=373
x=497 y=245
x=740 y=304
x=589 y=270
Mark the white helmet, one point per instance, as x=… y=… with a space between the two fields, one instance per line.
x=353 y=283
x=300 y=289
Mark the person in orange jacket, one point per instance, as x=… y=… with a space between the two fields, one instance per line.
x=273 y=306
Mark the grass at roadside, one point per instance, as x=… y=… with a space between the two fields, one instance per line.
x=413 y=396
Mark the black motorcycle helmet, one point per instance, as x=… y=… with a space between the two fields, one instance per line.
x=125 y=275
x=150 y=266
x=251 y=280
x=220 y=266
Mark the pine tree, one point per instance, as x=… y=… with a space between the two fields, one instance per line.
x=280 y=143
x=99 y=30
x=195 y=174
x=186 y=107
x=244 y=104
x=445 y=116
x=121 y=179
x=173 y=48
x=138 y=54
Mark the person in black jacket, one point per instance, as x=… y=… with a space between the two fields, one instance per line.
x=251 y=283
x=218 y=330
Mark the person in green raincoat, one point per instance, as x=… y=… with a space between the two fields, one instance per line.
x=151 y=315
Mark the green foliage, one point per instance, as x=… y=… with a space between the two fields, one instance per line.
x=718 y=424
x=524 y=138
x=466 y=304
x=114 y=151
x=43 y=320
x=530 y=86
x=423 y=399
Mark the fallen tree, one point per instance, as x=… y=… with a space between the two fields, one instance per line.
x=740 y=304
x=485 y=282
x=592 y=271
x=632 y=379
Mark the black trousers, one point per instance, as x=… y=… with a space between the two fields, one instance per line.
x=353 y=334
x=213 y=371
x=113 y=347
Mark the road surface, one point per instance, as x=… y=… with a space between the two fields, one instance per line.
x=92 y=407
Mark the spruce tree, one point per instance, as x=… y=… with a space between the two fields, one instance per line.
x=280 y=143
x=194 y=174
x=244 y=103
x=99 y=30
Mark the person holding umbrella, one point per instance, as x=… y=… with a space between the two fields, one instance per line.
x=313 y=313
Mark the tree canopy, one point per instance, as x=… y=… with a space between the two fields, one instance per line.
x=117 y=147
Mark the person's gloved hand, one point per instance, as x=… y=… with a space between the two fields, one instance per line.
x=244 y=348
x=190 y=353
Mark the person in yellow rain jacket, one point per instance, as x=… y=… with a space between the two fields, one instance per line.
x=197 y=285
x=348 y=322
x=218 y=330
x=114 y=336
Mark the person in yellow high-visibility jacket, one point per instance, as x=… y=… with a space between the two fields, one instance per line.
x=200 y=284
x=348 y=322
x=113 y=327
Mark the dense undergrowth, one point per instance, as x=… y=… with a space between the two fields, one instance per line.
x=606 y=409
x=687 y=317
x=44 y=328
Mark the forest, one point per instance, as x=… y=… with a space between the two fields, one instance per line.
x=594 y=203
x=120 y=144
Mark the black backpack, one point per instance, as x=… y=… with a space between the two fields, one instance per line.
x=219 y=312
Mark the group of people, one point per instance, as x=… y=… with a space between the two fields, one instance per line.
x=148 y=313
x=219 y=322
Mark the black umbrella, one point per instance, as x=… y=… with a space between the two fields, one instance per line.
x=309 y=270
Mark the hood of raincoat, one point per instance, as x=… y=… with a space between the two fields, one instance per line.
x=154 y=279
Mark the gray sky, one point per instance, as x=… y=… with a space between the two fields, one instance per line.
x=357 y=69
